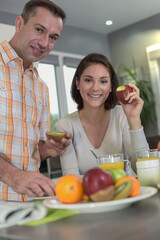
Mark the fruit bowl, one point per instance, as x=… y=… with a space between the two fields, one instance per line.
x=97 y=207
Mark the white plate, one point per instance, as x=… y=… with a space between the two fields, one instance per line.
x=107 y=206
x=38 y=198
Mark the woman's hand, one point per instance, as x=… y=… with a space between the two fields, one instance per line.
x=133 y=108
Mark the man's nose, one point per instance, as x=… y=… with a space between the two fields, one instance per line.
x=44 y=41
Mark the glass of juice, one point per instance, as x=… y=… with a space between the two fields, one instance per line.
x=149 y=154
x=111 y=161
x=148 y=172
x=148 y=167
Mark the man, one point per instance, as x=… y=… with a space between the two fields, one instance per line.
x=24 y=103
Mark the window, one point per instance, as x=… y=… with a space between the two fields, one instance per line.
x=47 y=73
x=57 y=70
x=68 y=76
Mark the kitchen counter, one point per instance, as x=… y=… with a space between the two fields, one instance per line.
x=139 y=221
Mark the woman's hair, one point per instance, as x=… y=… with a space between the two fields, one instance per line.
x=95 y=58
x=31 y=6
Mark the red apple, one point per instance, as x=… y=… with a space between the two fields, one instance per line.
x=95 y=180
x=158 y=146
x=122 y=92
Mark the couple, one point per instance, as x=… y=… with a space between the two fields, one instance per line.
x=25 y=112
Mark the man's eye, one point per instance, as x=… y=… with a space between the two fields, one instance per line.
x=53 y=38
x=39 y=30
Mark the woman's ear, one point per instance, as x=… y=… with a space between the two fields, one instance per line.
x=19 y=23
x=77 y=83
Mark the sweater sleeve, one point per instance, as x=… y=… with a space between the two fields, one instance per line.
x=133 y=142
x=68 y=159
x=138 y=141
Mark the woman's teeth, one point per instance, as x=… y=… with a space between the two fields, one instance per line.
x=94 y=96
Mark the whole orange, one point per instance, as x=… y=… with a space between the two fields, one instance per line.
x=69 y=189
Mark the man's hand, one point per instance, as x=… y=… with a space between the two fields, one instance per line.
x=51 y=148
x=32 y=184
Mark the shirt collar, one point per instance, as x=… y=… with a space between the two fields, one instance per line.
x=9 y=54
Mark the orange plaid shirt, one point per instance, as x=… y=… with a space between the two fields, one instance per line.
x=24 y=115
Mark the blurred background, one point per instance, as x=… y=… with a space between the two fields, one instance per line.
x=131 y=41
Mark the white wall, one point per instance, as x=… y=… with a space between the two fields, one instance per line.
x=7 y=32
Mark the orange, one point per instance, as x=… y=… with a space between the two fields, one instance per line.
x=136 y=185
x=85 y=197
x=69 y=189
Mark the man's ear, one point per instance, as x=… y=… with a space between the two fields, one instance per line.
x=19 y=23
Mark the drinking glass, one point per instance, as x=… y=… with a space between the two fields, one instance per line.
x=111 y=161
x=148 y=167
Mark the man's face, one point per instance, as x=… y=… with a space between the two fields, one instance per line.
x=37 y=37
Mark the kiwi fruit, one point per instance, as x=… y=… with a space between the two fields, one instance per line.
x=103 y=195
x=123 y=190
x=57 y=136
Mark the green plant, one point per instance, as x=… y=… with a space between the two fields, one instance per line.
x=53 y=119
x=146 y=92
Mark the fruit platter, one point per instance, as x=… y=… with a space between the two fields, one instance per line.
x=98 y=191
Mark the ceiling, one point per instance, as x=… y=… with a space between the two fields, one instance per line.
x=92 y=14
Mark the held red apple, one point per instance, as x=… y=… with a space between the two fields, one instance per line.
x=95 y=184
x=158 y=146
x=122 y=92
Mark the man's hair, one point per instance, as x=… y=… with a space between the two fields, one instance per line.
x=31 y=6
x=95 y=58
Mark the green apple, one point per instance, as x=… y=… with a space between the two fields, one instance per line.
x=117 y=173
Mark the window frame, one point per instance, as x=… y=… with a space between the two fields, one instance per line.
x=60 y=59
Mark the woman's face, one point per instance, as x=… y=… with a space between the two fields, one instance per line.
x=94 y=85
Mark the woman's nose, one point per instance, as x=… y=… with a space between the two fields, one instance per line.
x=95 y=86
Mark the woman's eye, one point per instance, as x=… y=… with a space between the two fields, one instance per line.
x=88 y=80
x=103 y=81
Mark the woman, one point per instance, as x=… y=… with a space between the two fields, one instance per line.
x=100 y=123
